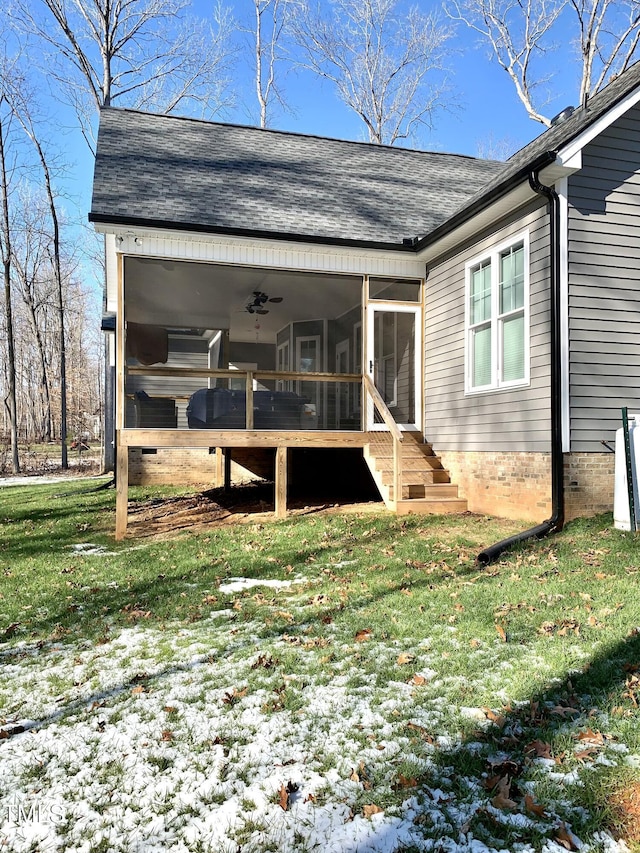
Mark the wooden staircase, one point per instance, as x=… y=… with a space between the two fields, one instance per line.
x=426 y=486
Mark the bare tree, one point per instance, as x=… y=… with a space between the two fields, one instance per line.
x=30 y=262
x=137 y=53
x=521 y=33
x=21 y=101
x=6 y=256
x=387 y=63
x=608 y=34
x=26 y=121
x=271 y=22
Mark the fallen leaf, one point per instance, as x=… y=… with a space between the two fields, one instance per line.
x=490 y=782
x=167 y=735
x=363 y=635
x=540 y=748
x=502 y=799
x=498 y=719
x=231 y=697
x=137 y=691
x=417 y=679
x=533 y=807
x=283 y=798
x=501 y=632
x=265 y=661
x=563 y=711
x=361 y=775
x=404 y=658
x=595 y=738
x=406 y=781
x=370 y=810
x=424 y=734
x=563 y=837
x=10 y=630
x=284 y=615
x=586 y=754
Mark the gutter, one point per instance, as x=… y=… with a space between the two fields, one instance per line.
x=407 y=245
x=502 y=188
x=555 y=523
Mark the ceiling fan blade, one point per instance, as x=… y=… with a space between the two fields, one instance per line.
x=276 y=299
x=261 y=311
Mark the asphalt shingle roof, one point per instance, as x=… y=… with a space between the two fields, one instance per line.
x=203 y=176
x=186 y=173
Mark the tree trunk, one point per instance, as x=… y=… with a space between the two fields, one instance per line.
x=10 y=401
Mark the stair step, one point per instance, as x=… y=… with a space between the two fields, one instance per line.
x=443 y=506
x=426 y=486
x=432 y=491
x=386 y=461
x=408 y=445
x=425 y=475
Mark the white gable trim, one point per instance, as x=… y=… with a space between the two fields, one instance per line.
x=279 y=254
x=570 y=154
x=240 y=251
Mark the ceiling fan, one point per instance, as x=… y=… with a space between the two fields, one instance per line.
x=260 y=299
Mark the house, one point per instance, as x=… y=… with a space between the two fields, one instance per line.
x=468 y=328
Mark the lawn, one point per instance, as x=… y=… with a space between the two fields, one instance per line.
x=334 y=682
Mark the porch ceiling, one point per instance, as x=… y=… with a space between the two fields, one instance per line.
x=199 y=295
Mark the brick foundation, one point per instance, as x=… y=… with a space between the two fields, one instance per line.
x=518 y=485
x=184 y=466
x=588 y=484
x=505 y=484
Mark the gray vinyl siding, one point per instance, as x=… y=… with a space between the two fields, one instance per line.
x=516 y=419
x=604 y=284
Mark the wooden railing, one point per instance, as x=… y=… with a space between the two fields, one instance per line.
x=249 y=376
x=396 y=434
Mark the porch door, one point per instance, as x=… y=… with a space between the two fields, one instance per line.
x=394 y=363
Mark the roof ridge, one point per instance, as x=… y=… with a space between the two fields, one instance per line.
x=588 y=112
x=297 y=134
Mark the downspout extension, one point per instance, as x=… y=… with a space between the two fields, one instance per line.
x=555 y=523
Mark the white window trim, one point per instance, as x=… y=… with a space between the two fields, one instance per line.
x=493 y=255
x=283 y=363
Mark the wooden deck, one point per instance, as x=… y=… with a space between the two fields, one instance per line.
x=425 y=485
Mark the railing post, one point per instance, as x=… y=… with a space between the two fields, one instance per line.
x=249 y=399
x=122 y=487
x=397 y=471
x=396 y=436
x=281 y=482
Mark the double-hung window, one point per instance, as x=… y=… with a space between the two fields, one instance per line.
x=497 y=346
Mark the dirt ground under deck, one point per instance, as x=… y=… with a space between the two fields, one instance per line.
x=217 y=507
